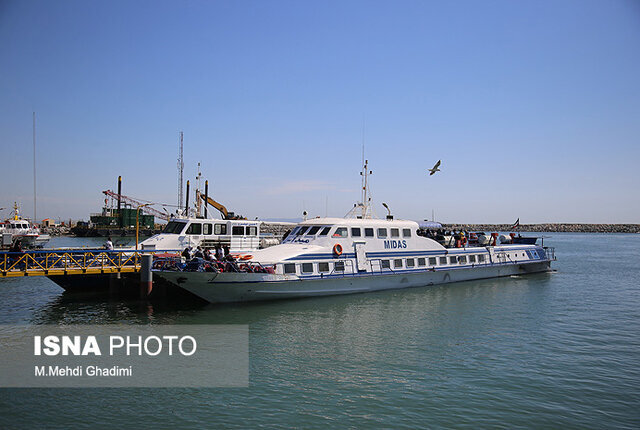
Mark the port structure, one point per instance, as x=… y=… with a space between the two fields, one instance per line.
x=70 y=262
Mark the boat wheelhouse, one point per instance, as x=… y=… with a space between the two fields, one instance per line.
x=180 y=233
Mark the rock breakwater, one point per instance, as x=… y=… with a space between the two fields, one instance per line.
x=551 y=227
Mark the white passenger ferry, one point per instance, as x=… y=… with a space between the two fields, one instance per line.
x=327 y=256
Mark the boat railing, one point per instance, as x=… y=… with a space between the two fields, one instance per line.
x=550 y=253
x=344 y=272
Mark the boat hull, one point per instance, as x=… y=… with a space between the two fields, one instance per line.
x=243 y=287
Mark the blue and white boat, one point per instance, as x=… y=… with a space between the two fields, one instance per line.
x=357 y=254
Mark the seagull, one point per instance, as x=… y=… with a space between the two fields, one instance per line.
x=435 y=168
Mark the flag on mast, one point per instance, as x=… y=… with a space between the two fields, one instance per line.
x=516 y=224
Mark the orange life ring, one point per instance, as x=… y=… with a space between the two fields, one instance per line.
x=337 y=249
x=246 y=257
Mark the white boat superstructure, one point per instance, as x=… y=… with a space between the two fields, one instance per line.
x=180 y=233
x=327 y=256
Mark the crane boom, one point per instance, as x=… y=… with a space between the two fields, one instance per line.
x=132 y=201
x=223 y=210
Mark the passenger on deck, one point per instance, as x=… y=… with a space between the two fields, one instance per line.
x=16 y=246
x=219 y=253
x=187 y=253
x=108 y=245
x=198 y=253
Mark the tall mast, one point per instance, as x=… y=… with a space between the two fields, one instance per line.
x=198 y=188
x=35 y=216
x=180 y=171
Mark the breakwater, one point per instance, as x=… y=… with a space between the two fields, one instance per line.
x=550 y=227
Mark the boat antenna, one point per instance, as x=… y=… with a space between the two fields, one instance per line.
x=35 y=217
x=180 y=170
x=363 y=209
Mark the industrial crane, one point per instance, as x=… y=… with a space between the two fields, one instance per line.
x=223 y=210
x=133 y=202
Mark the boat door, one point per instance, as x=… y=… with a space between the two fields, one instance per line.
x=361 y=256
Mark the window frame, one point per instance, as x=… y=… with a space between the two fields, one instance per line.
x=190 y=229
x=346 y=231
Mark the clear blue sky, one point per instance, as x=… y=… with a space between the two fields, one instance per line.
x=533 y=107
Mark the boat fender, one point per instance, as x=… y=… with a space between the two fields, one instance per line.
x=337 y=249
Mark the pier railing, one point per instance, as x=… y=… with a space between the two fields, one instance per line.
x=69 y=262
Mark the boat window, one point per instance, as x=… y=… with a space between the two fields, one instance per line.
x=294 y=231
x=307 y=267
x=453 y=260
x=395 y=232
x=313 y=230
x=325 y=231
x=472 y=259
x=195 y=228
x=480 y=258
x=323 y=267
x=355 y=232
x=207 y=229
x=462 y=260
x=382 y=233
x=385 y=264
x=302 y=230
x=368 y=232
x=421 y=262
x=174 y=227
x=237 y=230
x=406 y=232
x=220 y=229
x=341 y=232
x=252 y=230
x=443 y=260
x=339 y=266
x=290 y=268
x=397 y=263
x=432 y=261
x=410 y=262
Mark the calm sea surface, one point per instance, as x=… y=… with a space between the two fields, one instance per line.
x=558 y=350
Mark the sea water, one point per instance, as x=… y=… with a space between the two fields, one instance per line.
x=550 y=350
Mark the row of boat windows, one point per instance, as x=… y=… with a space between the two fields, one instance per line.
x=398 y=263
x=196 y=228
x=17 y=225
x=341 y=232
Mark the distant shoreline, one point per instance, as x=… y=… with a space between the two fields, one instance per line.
x=550 y=227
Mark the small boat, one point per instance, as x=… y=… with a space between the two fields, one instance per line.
x=356 y=254
x=22 y=230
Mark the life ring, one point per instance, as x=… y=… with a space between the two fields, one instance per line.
x=246 y=257
x=337 y=249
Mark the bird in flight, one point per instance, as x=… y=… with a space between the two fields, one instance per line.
x=435 y=168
